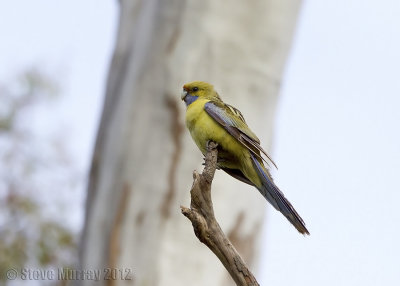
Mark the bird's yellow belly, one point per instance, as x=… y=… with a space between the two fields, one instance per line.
x=203 y=128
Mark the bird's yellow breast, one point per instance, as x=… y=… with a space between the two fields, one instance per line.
x=203 y=127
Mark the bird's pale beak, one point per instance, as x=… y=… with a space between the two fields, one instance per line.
x=183 y=94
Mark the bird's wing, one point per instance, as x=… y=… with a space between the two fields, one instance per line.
x=232 y=120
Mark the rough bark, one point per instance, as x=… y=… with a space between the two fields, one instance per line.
x=206 y=227
x=143 y=155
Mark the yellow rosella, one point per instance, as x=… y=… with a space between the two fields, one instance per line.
x=239 y=151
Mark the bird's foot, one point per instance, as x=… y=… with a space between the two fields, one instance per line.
x=211 y=144
x=218 y=161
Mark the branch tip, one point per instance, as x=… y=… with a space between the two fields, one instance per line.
x=205 y=226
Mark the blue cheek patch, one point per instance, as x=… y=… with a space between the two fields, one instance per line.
x=189 y=99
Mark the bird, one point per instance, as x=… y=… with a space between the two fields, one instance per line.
x=208 y=118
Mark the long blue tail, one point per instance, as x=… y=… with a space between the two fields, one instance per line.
x=274 y=196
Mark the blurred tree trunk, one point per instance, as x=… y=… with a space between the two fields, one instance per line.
x=143 y=159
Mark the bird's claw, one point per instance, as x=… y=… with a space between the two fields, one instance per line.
x=219 y=160
x=218 y=167
x=208 y=144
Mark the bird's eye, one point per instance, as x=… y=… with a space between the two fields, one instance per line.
x=195 y=88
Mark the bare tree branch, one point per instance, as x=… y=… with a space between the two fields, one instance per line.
x=206 y=227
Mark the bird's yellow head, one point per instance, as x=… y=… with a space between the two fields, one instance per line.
x=198 y=89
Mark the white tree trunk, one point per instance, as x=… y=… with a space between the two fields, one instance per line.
x=144 y=157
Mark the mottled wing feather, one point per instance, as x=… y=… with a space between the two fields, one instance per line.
x=233 y=122
x=237 y=112
x=256 y=145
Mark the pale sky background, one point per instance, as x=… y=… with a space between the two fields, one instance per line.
x=337 y=142
x=337 y=136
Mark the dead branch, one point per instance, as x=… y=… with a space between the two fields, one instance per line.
x=206 y=227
